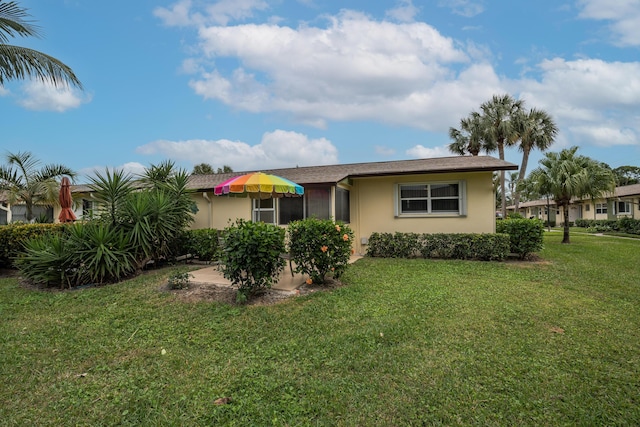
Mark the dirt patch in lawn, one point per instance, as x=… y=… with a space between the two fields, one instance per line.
x=207 y=292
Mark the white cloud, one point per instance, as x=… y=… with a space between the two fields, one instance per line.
x=594 y=102
x=422 y=152
x=132 y=168
x=47 y=97
x=623 y=15
x=277 y=149
x=354 y=69
x=221 y=12
x=606 y=136
x=466 y=8
x=176 y=16
x=384 y=151
x=404 y=12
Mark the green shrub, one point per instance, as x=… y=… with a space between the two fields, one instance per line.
x=320 y=247
x=629 y=225
x=179 y=280
x=250 y=258
x=85 y=253
x=46 y=260
x=526 y=235
x=487 y=247
x=13 y=237
x=104 y=251
x=202 y=244
x=398 y=245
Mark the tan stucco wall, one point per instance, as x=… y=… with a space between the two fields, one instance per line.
x=220 y=211
x=373 y=207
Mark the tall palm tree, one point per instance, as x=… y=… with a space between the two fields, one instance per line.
x=500 y=115
x=17 y=63
x=24 y=182
x=470 y=138
x=565 y=176
x=536 y=130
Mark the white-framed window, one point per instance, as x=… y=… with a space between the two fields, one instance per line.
x=623 y=208
x=587 y=207
x=264 y=210
x=431 y=198
x=601 y=208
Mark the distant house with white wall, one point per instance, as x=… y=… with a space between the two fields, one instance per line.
x=624 y=201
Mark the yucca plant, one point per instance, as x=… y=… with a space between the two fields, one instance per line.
x=47 y=260
x=103 y=250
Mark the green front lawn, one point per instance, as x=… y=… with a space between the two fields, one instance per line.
x=407 y=342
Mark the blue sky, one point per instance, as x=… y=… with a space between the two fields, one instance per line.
x=259 y=84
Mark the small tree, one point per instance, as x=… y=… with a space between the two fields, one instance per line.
x=25 y=181
x=565 y=176
x=251 y=256
x=320 y=247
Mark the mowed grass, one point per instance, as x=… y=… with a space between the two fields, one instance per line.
x=406 y=342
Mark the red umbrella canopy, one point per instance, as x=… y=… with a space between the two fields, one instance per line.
x=66 y=214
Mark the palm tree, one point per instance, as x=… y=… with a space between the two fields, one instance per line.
x=470 y=138
x=499 y=115
x=24 y=182
x=565 y=176
x=536 y=129
x=17 y=63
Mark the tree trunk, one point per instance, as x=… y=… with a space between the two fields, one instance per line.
x=523 y=171
x=565 y=237
x=502 y=186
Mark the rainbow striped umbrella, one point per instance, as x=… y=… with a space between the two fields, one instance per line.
x=258 y=185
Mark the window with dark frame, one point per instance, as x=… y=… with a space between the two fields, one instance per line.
x=343 y=212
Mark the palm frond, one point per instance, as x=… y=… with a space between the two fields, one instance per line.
x=17 y=63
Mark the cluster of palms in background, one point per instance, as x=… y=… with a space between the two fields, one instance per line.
x=505 y=122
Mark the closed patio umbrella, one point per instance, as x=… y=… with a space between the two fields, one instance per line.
x=66 y=214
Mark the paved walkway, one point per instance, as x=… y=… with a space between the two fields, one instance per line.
x=286 y=281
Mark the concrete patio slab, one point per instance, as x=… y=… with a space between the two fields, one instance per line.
x=286 y=280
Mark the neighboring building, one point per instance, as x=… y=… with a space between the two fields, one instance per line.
x=623 y=202
x=439 y=195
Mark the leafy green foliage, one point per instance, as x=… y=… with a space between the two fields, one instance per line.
x=623 y=225
x=45 y=260
x=202 y=244
x=486 y=247
x=18 y=62
x=179 y=280
x=566 y=175
x=85 y=253
x=14 y=236
x=320 y=247
x=398 y=245
x=131 y=228
x=251 y=256
x=26 y=181
x=526 y=235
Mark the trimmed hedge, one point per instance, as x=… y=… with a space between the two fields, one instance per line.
x=13 y=237
x=485 y=247
x=526 y=235
x=623 y=225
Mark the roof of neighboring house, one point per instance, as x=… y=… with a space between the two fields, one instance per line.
x=628 y=190
x=331 y=174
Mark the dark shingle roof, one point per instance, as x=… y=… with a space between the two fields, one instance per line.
x=331 y=174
